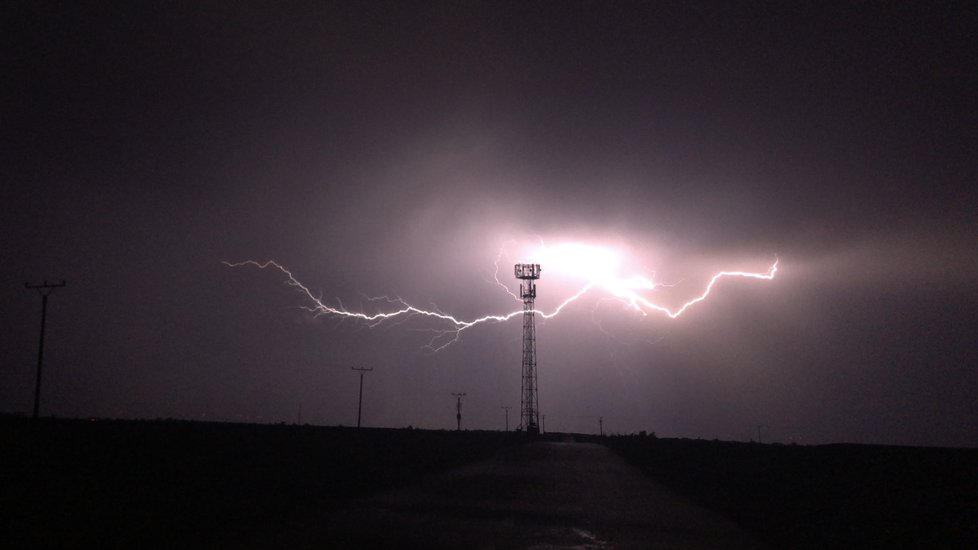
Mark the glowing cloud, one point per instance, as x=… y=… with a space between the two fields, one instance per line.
x=584 y=261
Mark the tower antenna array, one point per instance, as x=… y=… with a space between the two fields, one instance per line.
x=529 y=399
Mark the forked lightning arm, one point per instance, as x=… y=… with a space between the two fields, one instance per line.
x=625 y=290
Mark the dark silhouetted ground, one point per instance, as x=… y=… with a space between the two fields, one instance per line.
x=829 y=496
x=545 y=494
x=125 y=484
x=115 y=484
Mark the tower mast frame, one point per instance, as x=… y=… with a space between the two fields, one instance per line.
x=529 y=395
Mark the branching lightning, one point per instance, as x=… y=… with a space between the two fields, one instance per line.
x=595 y=266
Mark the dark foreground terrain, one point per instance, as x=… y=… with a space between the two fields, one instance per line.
x=542 y=495
x=114 y=484
x=125 y=484
x=828 y=496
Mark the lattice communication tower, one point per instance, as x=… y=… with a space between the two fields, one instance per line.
x=529 y=400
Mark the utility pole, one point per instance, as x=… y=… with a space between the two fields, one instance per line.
x=44 y=289
x=360 y=401
x=507 y=416
x=601 y=425
x=543 y=424
x=458 y=409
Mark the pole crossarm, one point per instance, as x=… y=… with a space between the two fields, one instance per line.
x=46 y=288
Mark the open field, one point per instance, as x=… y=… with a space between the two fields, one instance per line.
x=74 y=483
x=829 y=496
x=546 y=494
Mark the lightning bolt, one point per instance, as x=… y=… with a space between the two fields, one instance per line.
x=629 y=291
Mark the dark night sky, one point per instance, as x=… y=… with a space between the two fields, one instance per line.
x=393 y=148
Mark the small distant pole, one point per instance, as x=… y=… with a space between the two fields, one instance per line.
x=458 y=409
x=360 y=401
x=601 y=426
x=44 y=289
x=507 y=416
x=543 y=424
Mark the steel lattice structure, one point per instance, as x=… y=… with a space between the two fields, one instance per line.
x=529 y=398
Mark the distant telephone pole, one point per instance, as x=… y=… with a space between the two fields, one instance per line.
x=507 y=416
x=458 y=409
x=601 y=425
x=44 y=289
x=360 y=401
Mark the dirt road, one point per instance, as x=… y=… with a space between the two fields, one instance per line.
x=540 y=495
